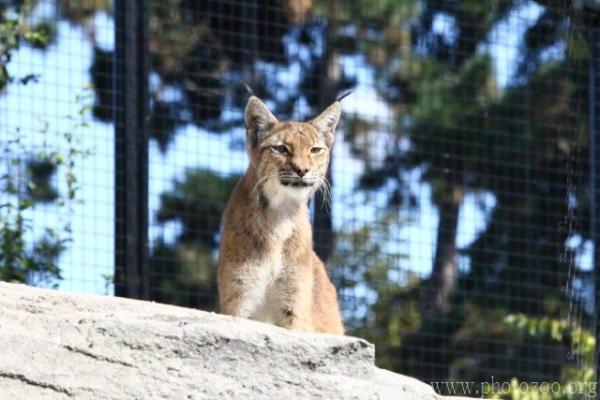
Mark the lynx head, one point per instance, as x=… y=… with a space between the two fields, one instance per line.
x=290 y=158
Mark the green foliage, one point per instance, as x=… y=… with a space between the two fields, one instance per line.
x=184 y=272
x=364 y=263
x=20 y=262
x=28 y=178
x=577 y=378
x=582 y=341
x=14 y=31
x=468 y=136
x=197 y=202
x=82 y=11
x=195 y=54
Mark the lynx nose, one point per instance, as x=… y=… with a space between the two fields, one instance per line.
x=301 y=171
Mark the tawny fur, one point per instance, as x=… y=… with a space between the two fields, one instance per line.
x=268 y=270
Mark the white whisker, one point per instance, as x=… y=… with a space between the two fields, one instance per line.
x=325 y=189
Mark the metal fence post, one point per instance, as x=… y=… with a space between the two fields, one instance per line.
x=131 y=149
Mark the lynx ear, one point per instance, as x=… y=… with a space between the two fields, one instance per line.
x=258 y=120
x=327 y=121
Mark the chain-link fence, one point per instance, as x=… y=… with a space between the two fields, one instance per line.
x=464 y=206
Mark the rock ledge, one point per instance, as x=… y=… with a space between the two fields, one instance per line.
x=58 y=345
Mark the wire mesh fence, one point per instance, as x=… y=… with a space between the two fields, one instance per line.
x=461 y=226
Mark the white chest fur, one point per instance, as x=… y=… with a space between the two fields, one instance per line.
x=266 y=291
x=284 y=215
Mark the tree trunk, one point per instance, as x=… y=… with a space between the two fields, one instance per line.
x=442 y=282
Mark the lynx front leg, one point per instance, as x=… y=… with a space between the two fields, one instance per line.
x=238 y=303
x=293 y=303
x=242 y=291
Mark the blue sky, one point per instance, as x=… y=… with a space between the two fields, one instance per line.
x=64 y=69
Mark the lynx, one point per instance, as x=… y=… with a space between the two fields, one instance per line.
x=268 y=270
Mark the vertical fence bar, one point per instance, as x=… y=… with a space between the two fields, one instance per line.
x=131 y=149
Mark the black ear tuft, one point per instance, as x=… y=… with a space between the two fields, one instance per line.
x=248 y=88
x=344 y=95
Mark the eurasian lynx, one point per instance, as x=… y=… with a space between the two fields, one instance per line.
x=268 y=270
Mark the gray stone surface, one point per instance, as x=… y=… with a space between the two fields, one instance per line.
x=57 y=345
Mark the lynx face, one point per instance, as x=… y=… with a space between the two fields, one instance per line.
x=290 y=158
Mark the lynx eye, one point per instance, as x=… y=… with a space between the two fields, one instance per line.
x=317 y=150
x=281 y=149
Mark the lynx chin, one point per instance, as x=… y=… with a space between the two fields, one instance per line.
x=268 y=270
